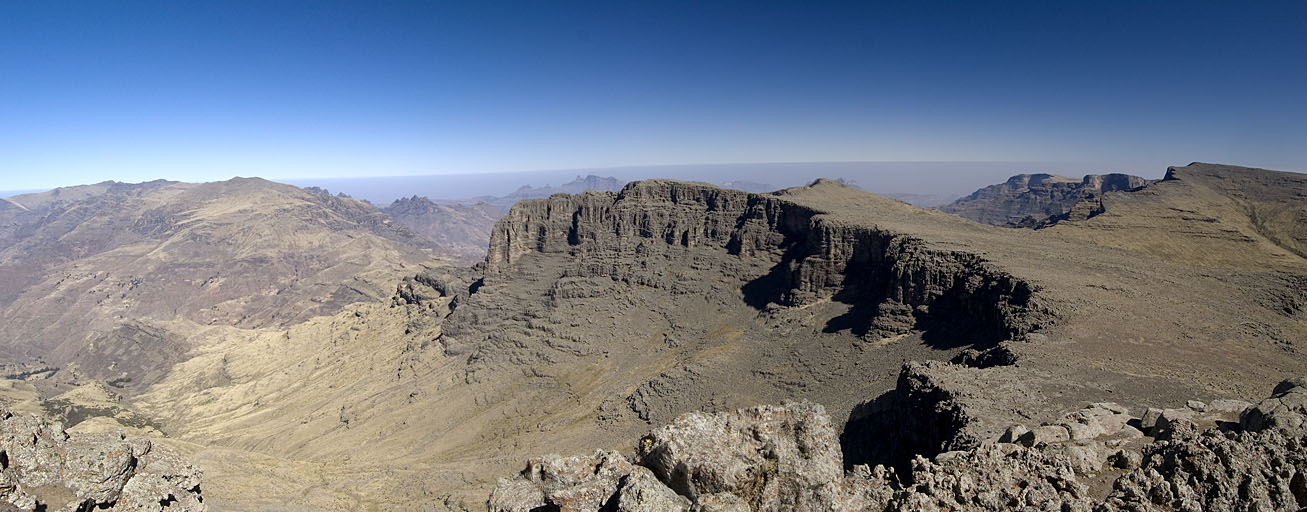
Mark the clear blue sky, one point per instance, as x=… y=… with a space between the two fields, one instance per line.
x=207 y=90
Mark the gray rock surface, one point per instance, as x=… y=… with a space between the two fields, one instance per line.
x=1214 y=470
x=45 y=467
x=771 y=457
x=787 y=458
x=1285 y=410
x=993 y=477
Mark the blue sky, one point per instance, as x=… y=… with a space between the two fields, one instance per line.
x=199 y=91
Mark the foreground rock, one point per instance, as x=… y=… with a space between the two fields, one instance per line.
x=788 y=458
x=45 y=468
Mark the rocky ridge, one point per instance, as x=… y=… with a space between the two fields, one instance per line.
x=1036 y=200
x=788 y=458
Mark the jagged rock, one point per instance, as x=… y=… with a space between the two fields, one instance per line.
x=993 y=477
x=772 y=457
x=1125 y=459
x=43 y=466
x=1215 y=470
x=642 y=492
x=1170 y=420
x=1087 y=438
x=583 y=484
x=96 y=466
x=32 y=449
x=784 y=458
x=1285 y=410
x=1013 y=433
x=516 y=495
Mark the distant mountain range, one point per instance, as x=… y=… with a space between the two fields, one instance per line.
x=1029 y=200
x=576 y=186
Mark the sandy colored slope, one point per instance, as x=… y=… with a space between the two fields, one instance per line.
x=104 y=268
x=393 y=404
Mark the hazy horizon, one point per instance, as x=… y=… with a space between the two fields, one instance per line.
x=938 y=179
x=329 y=90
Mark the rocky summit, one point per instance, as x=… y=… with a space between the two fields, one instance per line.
x=1100 y=458
x=678 y=346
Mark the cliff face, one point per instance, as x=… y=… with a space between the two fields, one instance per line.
x=1027 y=200
x=900 y=280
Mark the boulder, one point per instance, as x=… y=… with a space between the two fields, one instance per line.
x=567 y=483
x=44 y=467
x=772 y=457
x=1285 y=410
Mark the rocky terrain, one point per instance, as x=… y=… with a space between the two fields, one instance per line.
x=459 y=230
x=1228 y=455
x=42 y=467
x=895 y=337
x=1035 y=200
x=104 y=281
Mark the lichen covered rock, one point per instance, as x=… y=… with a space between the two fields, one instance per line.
x=44 y=467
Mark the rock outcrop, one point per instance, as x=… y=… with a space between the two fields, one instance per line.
x=787 y=458
x=936 y=407
x=1285 y=410
x=44 y=468
x=766 y=458
x=1030 y=200
x=904 y=282
x=780 y=456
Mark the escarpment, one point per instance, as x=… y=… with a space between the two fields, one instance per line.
x=900 y=282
